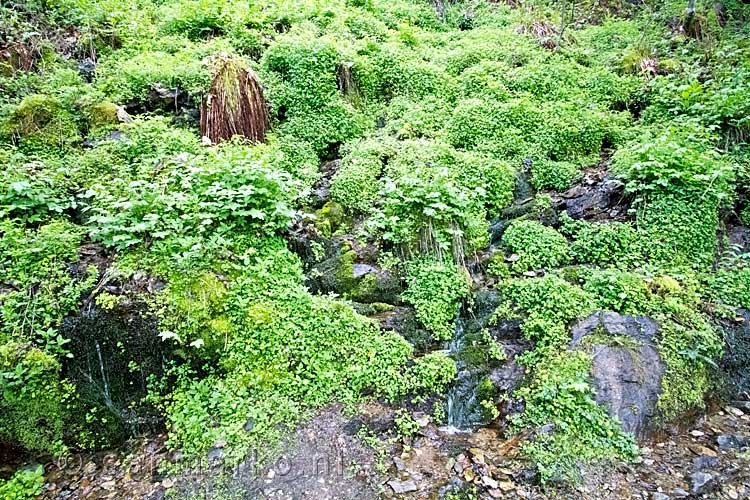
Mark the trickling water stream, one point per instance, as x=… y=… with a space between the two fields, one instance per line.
x=462 y=405
x=480 y=378
x=114 y=352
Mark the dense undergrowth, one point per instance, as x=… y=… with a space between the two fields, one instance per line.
x=440 y=123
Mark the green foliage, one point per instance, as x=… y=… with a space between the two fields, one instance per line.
x=26 y=484
x=536 y=245
x=196 y=20
x=618 y=291
x=130 y=76
x=730 y=287
x=406 y=426
x=557 y=175
x=688 y=343
x=676 y=161
x=413 y=119
x=34 y=264
x=206 y=411
x=326 y=128
x=286 y=351
x=356 y=184
x=224 y=190
x=428 y=210
x=431 y=373
x=548 y=306
x=435 y=290
x=191 y=312
x=559 y=394
x=306 y=67
x=32 y=191
x=33 y=399
x=522 y=127
x=679 y=230
x=430 y=115
x=497 y=268
x=41 y=122
x=610 y=244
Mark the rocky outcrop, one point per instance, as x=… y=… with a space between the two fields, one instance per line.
x=597 y=199
x=735 y=363
x=627 y=370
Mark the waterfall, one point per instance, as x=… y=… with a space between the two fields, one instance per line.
x=462 y=405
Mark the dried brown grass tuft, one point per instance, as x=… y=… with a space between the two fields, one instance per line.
x=235 y=105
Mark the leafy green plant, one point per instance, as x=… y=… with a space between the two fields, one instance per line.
x=356 y=184
x=602 y=244
x=435 y=290
x=41 y=121
x=536 y=245
x=25 y=484
x=431 y=373
x=618 y=291
x=33 y=398
x=406 y=426
x=223 y=190
x=429 y=211
x=547 y=306
x=559 y=394
x=557 y=175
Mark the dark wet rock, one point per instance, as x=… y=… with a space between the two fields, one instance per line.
x=508 y=376
x=403 y=320
x=601 y=200
x=739 y=236
x=354 y=425
x=361 y=270
x=249 y=425
x=701 y=482
x=321 y=192
x=87 y=69
x=509 y=329
x=735 y=364
x=627 y=369
x=113 y=136
x=342 y=273
x=157 y=495
x=215 y=454
x=105 y=344
x=637 y=327
x=166 y=98
x=729 y=441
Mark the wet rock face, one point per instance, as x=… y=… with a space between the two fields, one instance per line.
x=627 y=369
x=322 y=189
x=602 y=199
x=342 y=273
x=740 y=236
x=114 y=353
x=736 y=361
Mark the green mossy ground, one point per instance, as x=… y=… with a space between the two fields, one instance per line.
x=434 y=120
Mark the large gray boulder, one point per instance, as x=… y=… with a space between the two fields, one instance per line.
x=627 y=369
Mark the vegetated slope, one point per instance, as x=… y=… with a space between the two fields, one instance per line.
x=398 y=133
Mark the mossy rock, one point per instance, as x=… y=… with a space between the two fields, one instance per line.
x=102 y=114
x=343 y=275
x=41 y=121
x=330 y=219
x=33 y=403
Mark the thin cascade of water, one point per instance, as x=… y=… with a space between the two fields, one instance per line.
x=105 y=379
